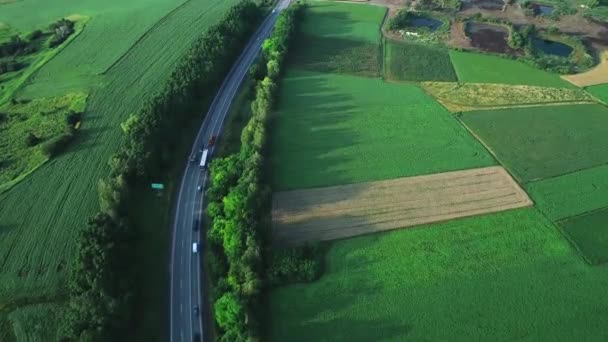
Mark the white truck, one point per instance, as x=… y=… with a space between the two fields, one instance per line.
x=204 y=159
x=195 y=247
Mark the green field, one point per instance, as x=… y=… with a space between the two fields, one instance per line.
x=540 y=142
x=599 y=91
x=340 y=38
x=36 y=323
x=481 y=68
x=590 y=234
x=39 y=215
x=501 y=277
x=572 y=194
x=343 y=21
x=418 y=62
x=337 y=129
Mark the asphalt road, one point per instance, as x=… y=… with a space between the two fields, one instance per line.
x=186 y=265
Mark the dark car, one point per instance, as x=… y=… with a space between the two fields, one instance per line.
x=195 y=310
x=195 y=225
x=196 y=337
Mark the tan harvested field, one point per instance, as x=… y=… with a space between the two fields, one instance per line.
x=301 y=216
x=595 y=76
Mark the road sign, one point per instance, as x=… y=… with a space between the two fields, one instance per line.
x=158 y=186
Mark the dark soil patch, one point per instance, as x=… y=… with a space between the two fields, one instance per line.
x=490 y=38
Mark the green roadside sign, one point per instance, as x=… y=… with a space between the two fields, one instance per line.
x=158 y=186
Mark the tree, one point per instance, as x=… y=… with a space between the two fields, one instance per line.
x=229 y=311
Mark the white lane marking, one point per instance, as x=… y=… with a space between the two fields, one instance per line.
x=181 y=283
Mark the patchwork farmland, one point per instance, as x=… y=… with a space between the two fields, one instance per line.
x=337 y=212
x=491 y=252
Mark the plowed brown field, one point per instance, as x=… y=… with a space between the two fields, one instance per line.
x=342 y=211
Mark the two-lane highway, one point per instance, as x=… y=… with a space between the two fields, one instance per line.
x=186 y=324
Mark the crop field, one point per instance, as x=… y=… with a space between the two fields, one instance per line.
x=50 y=204
x=335 y=129
x=36 y=323
x=340 y=38
x=418 y=62
x=480 y=68
x=589 y=233
x=459 y=97
x=540 y=142
x=506 y=276
x=571 y=194
x=343 y=56
x=302 y=216
x=343 y=21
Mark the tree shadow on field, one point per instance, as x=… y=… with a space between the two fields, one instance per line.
x=308 y=132
x=313 y=324
x=342 y=23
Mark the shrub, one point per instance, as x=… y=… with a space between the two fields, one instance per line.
x=294 y=265
x=58 y=144
x=31 y=139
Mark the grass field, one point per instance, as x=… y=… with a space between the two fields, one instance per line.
x=572 y=194
x=458 y=97
x=49 y=205
x=335 y=129
x=337 y=212
x=590 y=234
x=37 y=322
x=505 y=276
x=418 y=62
x=480 y=68
x=541 y=142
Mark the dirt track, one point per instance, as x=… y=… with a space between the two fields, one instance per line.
x=342 y=211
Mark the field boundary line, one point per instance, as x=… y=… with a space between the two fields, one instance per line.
x=144 y=35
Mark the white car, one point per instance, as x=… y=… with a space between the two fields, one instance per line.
x=195 y=247
x=199 y=188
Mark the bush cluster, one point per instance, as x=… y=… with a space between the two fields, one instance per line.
x=237 y=195
x=101 y=286
x=62 y=29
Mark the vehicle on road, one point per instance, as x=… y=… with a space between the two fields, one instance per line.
x=195 y=247
x=211 y=140
x=203 y=163
x=195 y=225
x=199 y=188
x=192 y=157
x=196 y=338
x=195 y=310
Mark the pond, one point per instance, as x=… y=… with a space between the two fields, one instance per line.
x=430 y=23
x=541 y=9
x=490 y=38
x=552 y=47
x=492 y=5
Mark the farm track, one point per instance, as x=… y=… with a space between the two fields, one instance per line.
x=342 y=211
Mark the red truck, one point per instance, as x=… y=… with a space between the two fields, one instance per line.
x=211 y=141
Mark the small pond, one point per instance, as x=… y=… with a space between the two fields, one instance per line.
x=551 y=47
x=429 y=23
x=541 y=9
x=487 y=37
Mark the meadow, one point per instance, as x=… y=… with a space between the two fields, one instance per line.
x=571 y=194
x=504 y=276
x=39 y=215
x=540 y=142
x=481 y=68
x=457 y=97
x=334 y=129
x=418 y=62
x=590 y=234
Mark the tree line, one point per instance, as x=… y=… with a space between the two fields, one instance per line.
x=238 y=253
x=101 y=286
